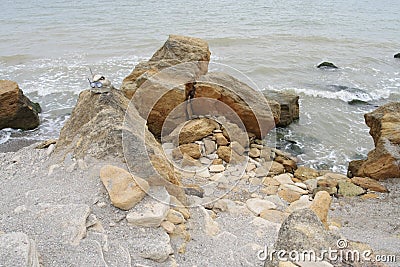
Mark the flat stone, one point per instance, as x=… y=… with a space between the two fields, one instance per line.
x=302 y=203
x=17 y=249
x=216 y=168
x=268 y=181
x=270 y=190
x=304 y=173
x=152 y=210
x=193 y=150
x=256 y=205
x=175 y=217
x=289 y=195
x=284 y=178
x=295 y=188
x=204 y=173
x=210 y=146
x=311 y=184
x=220 y=139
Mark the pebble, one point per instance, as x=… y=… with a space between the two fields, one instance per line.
x=216 y=168
x=283 y=179
x=257 y=205
x=295 y=189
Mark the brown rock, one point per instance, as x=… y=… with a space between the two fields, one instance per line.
x=16 y=110
x=125 y=190
x=368 y=183
x=166 y=75
x=289 y=106
x=320 y=205
x=289 y=195
x=270 y=190
x=221 y=140
x=327 y=182
x=369 y=196
x=192 y=150
x=304 y=173
x=217 y=162
x=257 y=114
x=254 y=152
x=226 y=153
x=384 y=161
x=276 y=168
x=193 y=130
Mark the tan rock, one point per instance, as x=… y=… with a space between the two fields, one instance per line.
x=244 y=101
x=221 y=140
x=270 y=190
x=327 y=182
x=302 y=203
x=275 y=216
x=224 y=152
x=304 y=173
x=216 y=168
x=168 y=227
x=383 y=161
x=283 y=179
x=368 y=183
x=192 y=150
x=217 y=162
x=189 y=58
x=270 y=168
x=320 y=205
x=125 y=191
x=193 y=130
x=254 y=152
x=369 y=196
x=268 y=181
x=175 y=217
x=16 y=110
x=289 y=195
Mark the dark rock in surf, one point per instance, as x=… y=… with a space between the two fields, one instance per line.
x=16 y=110
x=327 y=65
x=397 y=55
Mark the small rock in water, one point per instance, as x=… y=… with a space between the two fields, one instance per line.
x=326 y=65
x=397 y=55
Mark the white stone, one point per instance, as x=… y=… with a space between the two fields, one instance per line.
x=216 y=168
x=204 y=173
x=50 y=149
x=210 y=146
x=205 y=161
x=256 y=205
x=302 y=203
x=168 y=146
x=152 y=210
x=301 y=185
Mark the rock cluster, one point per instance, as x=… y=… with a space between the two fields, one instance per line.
x=16 y=110
x=384 y=161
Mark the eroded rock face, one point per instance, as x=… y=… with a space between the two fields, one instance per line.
x=384 y=161
x=258 y=116
x=96 y=129
x=162 y=79
x=16 y=110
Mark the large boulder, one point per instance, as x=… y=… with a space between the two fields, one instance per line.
x=162 y=79
x=384 y=161
x=259 y=115
x=289 y=106
x=16 y=110
x=105 y=126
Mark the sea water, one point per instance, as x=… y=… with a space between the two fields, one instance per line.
x=48 y=47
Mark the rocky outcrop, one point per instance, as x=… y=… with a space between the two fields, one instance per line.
x=102 y=126
x=289 y=106
x=179 y=61
x=16 y=110
x=327 y=65
x=176 y=50
x=259 y=115
x=384 y=161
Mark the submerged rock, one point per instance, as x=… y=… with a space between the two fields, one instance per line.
x=16 y=110
x=384 y=161
x=327 y=65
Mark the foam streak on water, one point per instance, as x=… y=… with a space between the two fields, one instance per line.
x=48 y=46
